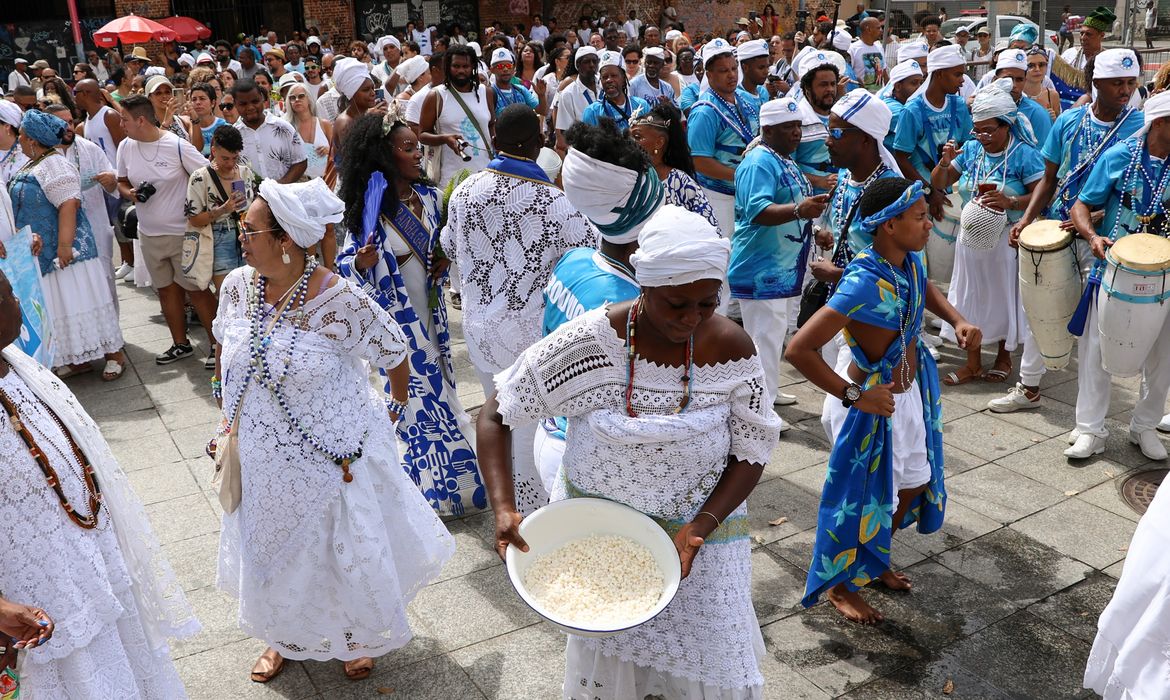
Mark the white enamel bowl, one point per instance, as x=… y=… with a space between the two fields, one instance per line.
x=564 y=521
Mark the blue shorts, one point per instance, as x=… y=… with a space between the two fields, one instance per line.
x=227 y=248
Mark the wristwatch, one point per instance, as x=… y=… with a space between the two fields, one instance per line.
x=852 y=395
x=927 y=189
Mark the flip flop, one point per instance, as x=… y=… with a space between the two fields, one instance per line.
x=955 y=379
x=359 y=669
x=113 y=370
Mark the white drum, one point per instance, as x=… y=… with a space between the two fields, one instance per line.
x=1131 y=306
x=1050 y=288
x=940 y=248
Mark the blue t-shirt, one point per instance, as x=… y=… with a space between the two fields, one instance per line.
x=640 y=87
x=1078 y=134
x=690 y=95
x=755 y=99
x=813 y=156
x=1011 y=173
x=844 y=200
x=604 y=108
x=1123 y=195
x=715 y=131
x=1037 y=116
x=583 y=281
x=896 y=109
x=767 y=262
x=207 y=133
x=922 y=130
x=517 y=95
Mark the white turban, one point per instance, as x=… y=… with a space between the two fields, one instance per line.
x=617 y=200
x=1012 y=58
x=870 y=114
x=911 y=50
x=779 y=111
x=841 y=39
x=751 y=49
x=154 y=70
x=582 y=52
x=550 y=162
x=995 y=101
x=941 y=59
x=673 y=34
x=303 y=208
x=1156 y=107
x=610 y=58
x=10 y=113
x=906 y=69
x=1115 y=63
x=677 y=247
x=412 y=68
x=388 y=39
x=186 y=59
x=654 y=52
x=348 y=75
x=474 y=46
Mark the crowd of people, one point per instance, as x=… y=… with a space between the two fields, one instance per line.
x=639 y=223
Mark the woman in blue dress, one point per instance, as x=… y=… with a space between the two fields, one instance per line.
x=659 y=131
x=46 y=196
x=391 y=251
x=999 y=168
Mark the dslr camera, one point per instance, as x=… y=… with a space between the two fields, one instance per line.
x=144 y=192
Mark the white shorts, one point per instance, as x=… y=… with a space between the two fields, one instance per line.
x=908 y=428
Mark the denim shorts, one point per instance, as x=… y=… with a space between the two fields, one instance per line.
x=227 y=248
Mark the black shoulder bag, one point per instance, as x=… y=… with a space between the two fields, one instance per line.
x=816 y=294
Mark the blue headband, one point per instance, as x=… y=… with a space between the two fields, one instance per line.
x=43 y=127
x=643 y=202
x=912 y=194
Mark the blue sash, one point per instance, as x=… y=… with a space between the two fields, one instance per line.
x=409 y=229
x=515 y=166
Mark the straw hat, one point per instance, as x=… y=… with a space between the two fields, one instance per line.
x=139 y=54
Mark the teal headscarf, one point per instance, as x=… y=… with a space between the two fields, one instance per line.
x=43 y=128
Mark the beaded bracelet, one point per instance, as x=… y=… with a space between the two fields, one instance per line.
x=396 y=407
x=216 y=389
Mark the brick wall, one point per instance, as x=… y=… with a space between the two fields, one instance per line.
x=334 y=17
x=152 y=9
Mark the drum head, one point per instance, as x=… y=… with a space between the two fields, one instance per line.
x=1045 y=235
x=1142 y=251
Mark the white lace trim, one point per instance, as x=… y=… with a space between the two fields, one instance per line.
x=59 y=179
x=84 y=317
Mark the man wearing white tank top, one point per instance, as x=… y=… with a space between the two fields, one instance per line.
x=103 y=126
x=455 y=117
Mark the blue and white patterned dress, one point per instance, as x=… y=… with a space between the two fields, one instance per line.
x=683 y=191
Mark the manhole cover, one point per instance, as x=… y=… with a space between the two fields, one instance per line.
x=1138 y=490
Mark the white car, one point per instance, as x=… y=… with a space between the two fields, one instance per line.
x=1005 y=24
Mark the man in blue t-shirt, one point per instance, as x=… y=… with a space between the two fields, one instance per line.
x=1078 y=138
x=774 y=211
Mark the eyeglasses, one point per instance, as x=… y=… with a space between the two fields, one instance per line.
x=838 y=132
x=77 y=70
x=248 y=232
x=632 y=61
x=226 y=105
x=983 y=134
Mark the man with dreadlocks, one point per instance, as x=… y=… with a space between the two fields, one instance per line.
x=615 y=102
x=507 y=226
x=456 y=117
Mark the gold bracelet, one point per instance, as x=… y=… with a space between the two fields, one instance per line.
x=718 y=522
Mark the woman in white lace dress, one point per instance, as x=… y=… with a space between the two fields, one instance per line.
x=331 y=538
x=683 y=436
x=97 y=570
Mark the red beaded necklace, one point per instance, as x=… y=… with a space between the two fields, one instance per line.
x=91 y=486
x=631 y=351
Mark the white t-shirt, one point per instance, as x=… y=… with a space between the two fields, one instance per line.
x=571 y=104
x=631 y=28
x=538 y=33
x=415 y=105
x=422 y=37
x=167 y=164
x=867 y=60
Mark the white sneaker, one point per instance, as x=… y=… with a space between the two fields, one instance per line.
x=1086 y=446
x=1016 y=400
x=783 y=399
x=1148 y=441
x=124 y=271
x=1164 y=426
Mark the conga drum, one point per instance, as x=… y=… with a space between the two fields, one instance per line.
x=1131 y=306
x=1050 y=288
x=940 y=248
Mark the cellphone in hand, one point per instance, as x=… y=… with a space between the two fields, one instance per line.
x=379 y=94
x=238 y=186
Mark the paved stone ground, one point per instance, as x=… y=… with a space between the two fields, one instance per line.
x=1005 y=602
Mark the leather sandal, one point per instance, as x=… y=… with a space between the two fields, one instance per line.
x=359 y=669
x=268 y=666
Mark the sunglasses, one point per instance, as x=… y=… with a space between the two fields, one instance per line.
x=632 y=61
x=226 y=105
x=504 y=66
x=838 y=132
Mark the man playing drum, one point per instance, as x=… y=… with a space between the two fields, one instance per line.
x=1129 y=180
x=1077 y=138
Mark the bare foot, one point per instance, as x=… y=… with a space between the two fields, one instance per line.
x=853 y=606
x=895 y=580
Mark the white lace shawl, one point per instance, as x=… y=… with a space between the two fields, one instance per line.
x=162 y=605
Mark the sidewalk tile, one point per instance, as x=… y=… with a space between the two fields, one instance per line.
x=145 y=452
x=1000 y=493
x=1046 y=463
x=1108 y=496
x=988 y=437
x=471 y=553
x=780 y=498
x=1015 y=566
x=927 y=680
x=222 y=672
x=194 y=560
x=1080 y=530
x=1076 y=609
x=182 y=518
x=217 y=612
x=527 y=663
x=436 y=678
x=162 y=483
x=777 y=586
x=472 y=608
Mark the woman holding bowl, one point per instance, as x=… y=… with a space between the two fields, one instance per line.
x=666 y=414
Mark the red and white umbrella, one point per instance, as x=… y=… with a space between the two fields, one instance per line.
x=187 y=29
x=132 y=29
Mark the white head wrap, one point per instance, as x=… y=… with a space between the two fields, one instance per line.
x=10 y=113
x=1156 y=107
x=412 y=68
x=313 y=40
x=187 y=59
x=911 y=50
x=672 y=35
x=906 y=69
x=995 y=101
x=582 y=52
x=779 y=111
x=601 y=191
x=751 y=49
x=677 y=247
x=610 y=58
x=388 y=39
x=716 y=47
x=841 y=39
x=654 y=51
x=870 y=114
x=502 y=55
x=1115 y=63
x=550 y=162
x=743 y=35
x=1012 y=58
x=940 y=59
x=348 y=75
x=152 y=71
x=303 y=208
x=819 y=57
x=474 y=46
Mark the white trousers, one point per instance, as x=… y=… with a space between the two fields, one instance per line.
x=1093 y=382
x=530 y=491
x=1032 y=368
x=724 y=207
x=766 y=321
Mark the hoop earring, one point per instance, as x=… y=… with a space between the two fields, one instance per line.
x=284 y=258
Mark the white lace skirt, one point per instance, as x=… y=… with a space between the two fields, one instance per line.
x=985 y=288
x=84 y=317
x=342 y=591
x=1131 y=654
